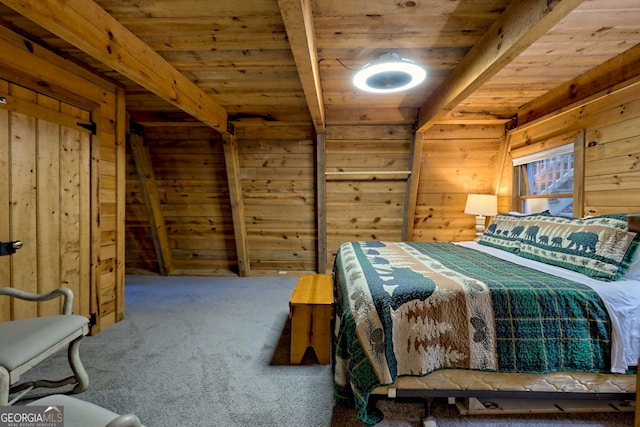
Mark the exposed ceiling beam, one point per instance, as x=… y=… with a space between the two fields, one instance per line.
x=619 y=69
x=298 y=21
x=521 y=24
x=84 y=24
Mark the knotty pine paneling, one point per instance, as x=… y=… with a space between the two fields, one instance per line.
x=460 y=163
x=139 y=247
x=612 y=167
x=278 y=184
x=368 y=208
x=456 y=160
x=611 y=122
x=188 y=164
x=278 y=175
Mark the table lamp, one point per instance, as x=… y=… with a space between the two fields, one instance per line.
x=482 y=206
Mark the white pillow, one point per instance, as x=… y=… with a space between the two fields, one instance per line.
x=633 y=272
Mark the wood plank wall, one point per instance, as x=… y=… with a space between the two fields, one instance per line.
x=612 y=146
x=188 y=163
x=366 y=172
x=279 y=186
x=108 y=207
x=277 y=171
x=278 y=183
x=462 y=159
x=277 y=168
x=139 y=249
x=456 y=160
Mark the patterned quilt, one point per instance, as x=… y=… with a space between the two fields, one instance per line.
x=412 y=308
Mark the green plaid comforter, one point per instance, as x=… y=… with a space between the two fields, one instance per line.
x=413 y=308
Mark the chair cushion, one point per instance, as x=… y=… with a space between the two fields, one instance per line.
x=22 y=340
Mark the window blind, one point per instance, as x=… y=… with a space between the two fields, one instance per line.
x=544 y=154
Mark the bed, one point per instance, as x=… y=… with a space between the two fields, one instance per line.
x=540 y=304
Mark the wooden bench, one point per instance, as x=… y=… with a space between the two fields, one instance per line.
x=311 y=311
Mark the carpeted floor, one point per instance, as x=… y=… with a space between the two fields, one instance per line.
x=211 y=351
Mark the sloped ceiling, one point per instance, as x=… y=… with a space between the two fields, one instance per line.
x=291 y=61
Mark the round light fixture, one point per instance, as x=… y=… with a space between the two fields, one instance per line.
x=389 y=73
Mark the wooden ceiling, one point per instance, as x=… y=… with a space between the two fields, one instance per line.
x=292 y=61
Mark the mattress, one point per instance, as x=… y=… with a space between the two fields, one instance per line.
x=452 y=380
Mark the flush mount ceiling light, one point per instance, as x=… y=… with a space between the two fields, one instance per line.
x=389 y=73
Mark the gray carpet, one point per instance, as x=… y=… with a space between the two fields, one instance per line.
x=211 y=351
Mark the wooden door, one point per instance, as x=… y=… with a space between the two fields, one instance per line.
x=44 y=181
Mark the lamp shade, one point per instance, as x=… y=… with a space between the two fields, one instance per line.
x=481 y=204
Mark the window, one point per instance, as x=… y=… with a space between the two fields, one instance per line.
x=544 y=180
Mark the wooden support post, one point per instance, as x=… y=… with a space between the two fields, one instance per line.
x=232 y=164
x=152 y=202
x=415 y=161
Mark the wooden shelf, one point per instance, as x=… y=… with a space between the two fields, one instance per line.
x=367 y=175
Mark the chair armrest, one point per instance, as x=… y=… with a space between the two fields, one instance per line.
x=126 y=420
x=65 y=293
